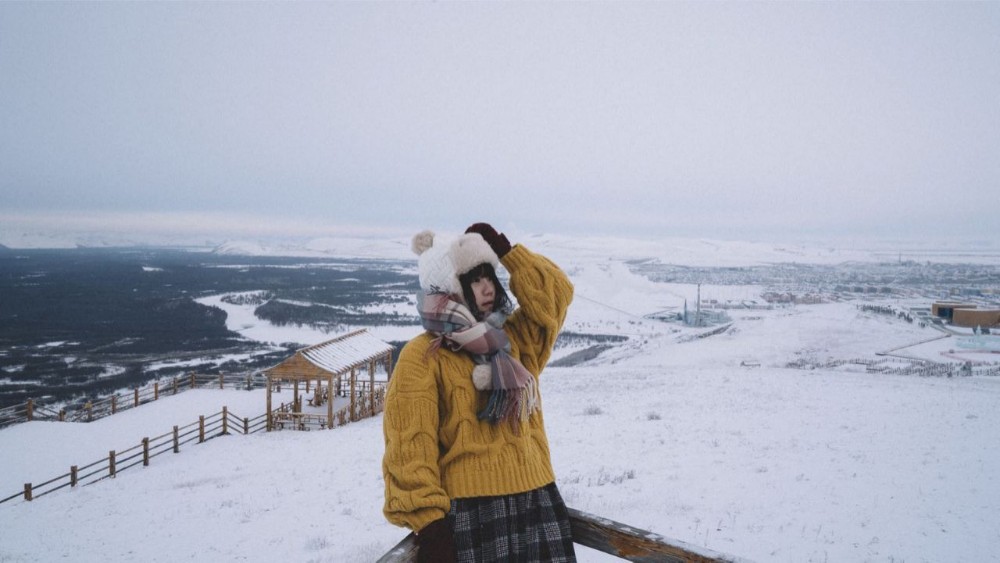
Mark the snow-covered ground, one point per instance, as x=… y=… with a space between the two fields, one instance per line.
x=713 y=441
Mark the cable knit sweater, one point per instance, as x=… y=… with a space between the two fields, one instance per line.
x=435 y=447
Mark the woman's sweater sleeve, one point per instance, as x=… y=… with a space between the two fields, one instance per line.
x=543 y=293
x=414 y=496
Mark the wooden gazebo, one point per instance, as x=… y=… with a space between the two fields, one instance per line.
x=329 y=363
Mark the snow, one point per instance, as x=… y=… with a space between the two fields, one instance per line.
x=241 y=319
x=80 y=444
x=712 y=441
x=341 y=247
x=240 y=248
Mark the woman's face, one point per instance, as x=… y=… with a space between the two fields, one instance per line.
x=485 y=292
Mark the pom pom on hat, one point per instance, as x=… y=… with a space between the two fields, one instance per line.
x=422 y=241
x=435 y=269
x=471 y=250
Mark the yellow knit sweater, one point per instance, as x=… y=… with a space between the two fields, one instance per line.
x=435 y=447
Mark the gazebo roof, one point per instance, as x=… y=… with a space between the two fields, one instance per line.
x=332 y=357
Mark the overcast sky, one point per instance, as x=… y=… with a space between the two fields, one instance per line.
x=747 y=121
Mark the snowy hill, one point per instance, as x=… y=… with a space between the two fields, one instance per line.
x=716 y=441
x=321 y=247
x=669 y=250
x=686 y=251
x=240 y=248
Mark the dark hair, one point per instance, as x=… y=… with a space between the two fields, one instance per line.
x=501 y=301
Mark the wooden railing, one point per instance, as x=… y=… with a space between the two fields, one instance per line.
x=107 y=406
x=14 y=414
x=206 y=428
x=284 y=418
x=367 y=403
x=608 y=536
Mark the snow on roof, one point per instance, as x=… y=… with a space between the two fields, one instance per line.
x=341 y=353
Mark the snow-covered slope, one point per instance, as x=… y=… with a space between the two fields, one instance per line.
x=770 y=463
x=566 y=249
x=688 y=251
x=715 y=441
x=343 y=247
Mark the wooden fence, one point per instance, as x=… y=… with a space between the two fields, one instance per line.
x=614 y=538
x=107 y=406
x=367 y=403
x=206 y=428
x=913 y=366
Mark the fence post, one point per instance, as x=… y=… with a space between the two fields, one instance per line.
x=29 y=411
x=221 y=383
x=371 y=385
x=27 y=491
x=62 y=415
x=225 y=420
x=145 y=452
x=137 y=396
x=201 y=429
x=73 y=471
x=114 y=404
x=246 y=426
x=90 y=411
x=177 y=445
x=353 y=381
x=111 y=463
x=194 y=383
x=175 y=386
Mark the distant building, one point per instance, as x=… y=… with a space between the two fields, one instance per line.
x=986 y=318
x=946 y=309
x=966 y=314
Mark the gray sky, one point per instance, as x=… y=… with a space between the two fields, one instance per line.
x=725 y=120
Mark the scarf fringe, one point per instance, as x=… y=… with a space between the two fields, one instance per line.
x=514 y=390
x=514 y=405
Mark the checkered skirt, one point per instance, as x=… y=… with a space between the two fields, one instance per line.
x=524 y=528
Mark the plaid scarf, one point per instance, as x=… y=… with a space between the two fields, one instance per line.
x=513 y=392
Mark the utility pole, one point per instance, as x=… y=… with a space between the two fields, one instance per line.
x=697 y=314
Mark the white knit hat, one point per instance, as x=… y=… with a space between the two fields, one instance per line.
x=440 y=264
x=436 y=271
x=469 y=251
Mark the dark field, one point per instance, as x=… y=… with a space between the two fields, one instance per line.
x=77 y=323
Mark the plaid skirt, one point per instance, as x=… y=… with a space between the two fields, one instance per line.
x=524 y=528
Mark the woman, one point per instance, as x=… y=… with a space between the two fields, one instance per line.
x=466 y=462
